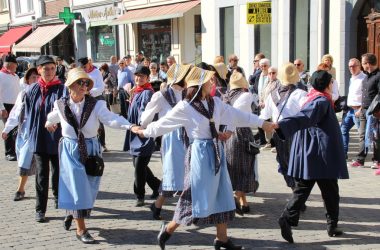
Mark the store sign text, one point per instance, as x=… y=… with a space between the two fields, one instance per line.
x=108 y=12
x=259 y=13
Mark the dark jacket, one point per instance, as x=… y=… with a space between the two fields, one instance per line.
x=370 y=87
x=254 y=81
x=317 y=147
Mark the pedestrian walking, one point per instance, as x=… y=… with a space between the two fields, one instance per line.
x=79 y=150
x=9 y=90
x=174 y=144
x=316 y=155
x=207 y=197
x=25 y=159
x=39 y=102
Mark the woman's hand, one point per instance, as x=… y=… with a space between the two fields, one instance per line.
x=51 y=128
x=4 y=114
x=4 y=135
x=269 y=126
x=135 y=129
x=225 y=135
x=140 y=133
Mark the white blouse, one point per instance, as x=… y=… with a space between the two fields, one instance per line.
x=292 y=107
x=196 y=125
x=158 y=104
x=243 y=103
x=90 y=129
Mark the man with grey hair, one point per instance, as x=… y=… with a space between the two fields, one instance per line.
x=304 y=75
x=170 y=60
x=354 y=101
x=113 y=67
x=232 y=66
x=9 y=89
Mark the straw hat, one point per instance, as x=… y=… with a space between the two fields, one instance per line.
x=288 y=74
x=76 y=74
x=198 y=76
x=222 y=70
x=238 y=81
x=177 y=72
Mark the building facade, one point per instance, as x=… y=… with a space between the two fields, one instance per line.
x=305 y=29
x=4 y=16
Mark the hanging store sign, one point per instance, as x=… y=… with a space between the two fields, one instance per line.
x=259 y=13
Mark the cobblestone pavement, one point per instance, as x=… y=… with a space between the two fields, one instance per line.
x=116 y=223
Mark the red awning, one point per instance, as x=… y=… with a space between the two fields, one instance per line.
x=156 y=13
x=11 y=37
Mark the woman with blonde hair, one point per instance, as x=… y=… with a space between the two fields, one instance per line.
x=328 y=59
x=335 y=89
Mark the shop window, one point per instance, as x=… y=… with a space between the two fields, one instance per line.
x=226 y=31
x=103 y=42
x=3 y=5
x=198 y=38
x=263 y=38
x=300 y=31
x=21 y=7
x=154 y=39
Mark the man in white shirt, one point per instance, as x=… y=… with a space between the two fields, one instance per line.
x=9 y=90
x=354 y=101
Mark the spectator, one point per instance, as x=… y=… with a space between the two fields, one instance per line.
x=163 y=70
x=170 y=60
x=124 y=85
x=370 y=88
x=147 y=61
x=354 y=102
x=113 y=67
x=9 y=89
x=328 y=59
x=154 y=77
x=233 y=65
x=138 y=59
x=219 y=59
x=256 y=73
x=304 y=75
x=110 y=88
x=128 y=63
x=61 y=70
x=335 y=93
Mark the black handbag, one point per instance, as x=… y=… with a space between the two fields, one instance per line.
x=340 y=104
x=94 y=165
x=252 y=148
x=375 y=105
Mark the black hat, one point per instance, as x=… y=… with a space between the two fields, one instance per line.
x=42 y=60
x=320 y=80
x=142 y=70
x=10 y=58
x=83 y=61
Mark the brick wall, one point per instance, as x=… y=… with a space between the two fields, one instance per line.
x=56 y=6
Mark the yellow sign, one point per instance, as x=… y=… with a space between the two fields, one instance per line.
x=259 y=13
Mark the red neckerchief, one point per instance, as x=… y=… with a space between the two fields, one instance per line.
x=314 y=94
x=139 y=89
x=6 y=71
x=90 y=70
x=44 y=86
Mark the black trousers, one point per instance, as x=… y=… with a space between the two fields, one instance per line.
x=101 y=130
x=10 y=142
x=42 y=179
x=362 y=148
x=143 y=175
x=330 y=194
x=124 y=104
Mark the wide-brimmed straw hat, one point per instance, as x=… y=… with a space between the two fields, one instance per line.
x=177 y=72
x=76 y=74
x=288 y=74
x=238 y=81
x=221 y=69
x=198 y=77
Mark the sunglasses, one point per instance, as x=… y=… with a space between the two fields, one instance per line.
x=82 y=83
x=272 y=73
x=297 y=64
x=353 y=66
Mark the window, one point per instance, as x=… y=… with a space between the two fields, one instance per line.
x=3 y=5
x=226 y=31
x=263 y=39
x=30 y=5
x=21 y=7
x=300 y=31
x=103 y=42
x=198 y=38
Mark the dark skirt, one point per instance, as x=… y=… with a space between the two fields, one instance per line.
x=283 y=154
x=240 y=163
x=28 y=172
x=183 y=212
x=79 y=214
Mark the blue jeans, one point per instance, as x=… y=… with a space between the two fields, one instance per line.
x=348 y=121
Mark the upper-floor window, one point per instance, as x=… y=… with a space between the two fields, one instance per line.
x=3 y=5
x=23 y=6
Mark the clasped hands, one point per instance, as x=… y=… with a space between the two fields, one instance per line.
x=269 y=126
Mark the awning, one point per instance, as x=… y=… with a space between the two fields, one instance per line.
x=41 y=36
x=11 y=37
x=156 y=13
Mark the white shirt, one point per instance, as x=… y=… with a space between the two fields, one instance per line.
x=354 y=97
x=90 y=129
x=263 y=81
x=243 y=103
x=98 y=87
x=335 y=90
x=158 y=104
x=292 y=107
x=9 y=88
x=198 y=126
x=132 y=68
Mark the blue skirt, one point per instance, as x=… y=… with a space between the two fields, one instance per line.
x=77 y=190
x=173 y=161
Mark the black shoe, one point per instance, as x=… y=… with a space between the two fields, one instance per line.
x=86 y=238
x=227 y=245
x=163 y=237
x=40 y=217
x=238 y=210
x=19 y=196
x=140 y=203
x=245 y=209
x=11 y=158
x=334 y=231
x=155 y=194
x=156 y=212
x=286 y=230
x=67 y=222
